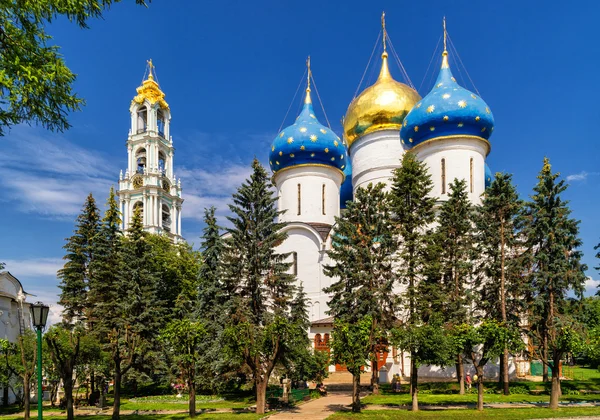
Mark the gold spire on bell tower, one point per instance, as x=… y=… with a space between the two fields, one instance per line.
x=150 y=90
x=308 y=100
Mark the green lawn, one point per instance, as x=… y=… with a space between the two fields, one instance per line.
x=215 y=416
x=505 y=413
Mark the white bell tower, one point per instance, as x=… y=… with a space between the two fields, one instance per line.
x=148 y=181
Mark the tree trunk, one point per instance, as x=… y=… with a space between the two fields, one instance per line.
x=545 y=357
x=117 y=391
x=501 y=371
x=356 y=393
x=460 y=374
x=375 y=376
x=414 y=389
x=505 y=384
x=68 y=386
x=92 y=383
x=479 y=388
x=5 y=394
x=504 y=362
x=192 y=394
x=261 y=393
x=26 y=396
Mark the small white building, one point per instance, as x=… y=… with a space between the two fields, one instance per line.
x=15 y=316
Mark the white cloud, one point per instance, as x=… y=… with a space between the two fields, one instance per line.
x=34 y=267
x=581 y=176
x=591 y=286
x=47 y=175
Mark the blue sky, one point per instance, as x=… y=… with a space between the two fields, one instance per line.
x=230 y=69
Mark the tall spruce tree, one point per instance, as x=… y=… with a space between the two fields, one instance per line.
x=552 y=242
x=362 y=258
x=258 y=325
x=456 y=240
x=413 y=213
x=498 y=282
x=74 y=276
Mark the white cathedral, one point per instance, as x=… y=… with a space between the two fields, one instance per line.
x=316 y=171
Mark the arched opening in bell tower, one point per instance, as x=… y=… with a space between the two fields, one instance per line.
x=162 y=163
x=166 y=218
x=140 y=158
x=160 y=122
x=140 y=205
x=142 y=119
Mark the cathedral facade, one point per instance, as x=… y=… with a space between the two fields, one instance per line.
x=316 y=173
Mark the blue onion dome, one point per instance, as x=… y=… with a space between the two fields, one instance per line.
x=307 y=142
x=448 y=110
x=489 y=177
x=346 y=188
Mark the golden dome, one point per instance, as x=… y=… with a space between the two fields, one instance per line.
x=381 y=106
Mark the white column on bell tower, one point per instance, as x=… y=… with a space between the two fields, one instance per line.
x=145 y=182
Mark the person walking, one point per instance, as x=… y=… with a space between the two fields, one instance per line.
x=468 y=380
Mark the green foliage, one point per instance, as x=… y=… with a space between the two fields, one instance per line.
x=486 y=341
x=258 y=314
x=183 y=337
x=555 y=261
x=75 y=276
x=429 y=343
x=35 y=83
x=351 y=343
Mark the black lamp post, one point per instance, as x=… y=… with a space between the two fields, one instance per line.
x=39 y=316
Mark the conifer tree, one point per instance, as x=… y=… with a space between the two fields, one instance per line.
x=258 y=324
x=498 y=285
x=362 y=257
x=456 y=241
x=413 y=214
x=552 y=242
x=74 y=276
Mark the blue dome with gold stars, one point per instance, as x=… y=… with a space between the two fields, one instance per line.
x=346 y=188
x=489 y=177
x=307 y=142
x=448 y=110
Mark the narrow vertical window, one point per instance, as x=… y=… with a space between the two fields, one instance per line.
x=299 y=200
x=471 y=175
x=295 y=263
x=323 y=199
x=443 y=176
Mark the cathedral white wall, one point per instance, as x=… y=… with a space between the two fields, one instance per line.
x=374 y=157
x=311 y=180
x=307 y=244
x=457 y=153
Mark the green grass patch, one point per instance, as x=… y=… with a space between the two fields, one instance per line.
x=215 y=416
x=501 y=413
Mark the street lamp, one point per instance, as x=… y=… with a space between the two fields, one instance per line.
x=39 y=316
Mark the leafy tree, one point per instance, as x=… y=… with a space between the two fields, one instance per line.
x=74 y=275
x=483 y=343
x=351 y=345
x=8 y=351
x=413 y=213
x=258 y=324
x=552 y=243
x=26 y=366
x=498 y=281
x=362 y=254
x=456 y=240
x=70 y=347
x=184 y=338
x=35 y=83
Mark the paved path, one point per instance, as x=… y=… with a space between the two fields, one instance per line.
x=318 y=409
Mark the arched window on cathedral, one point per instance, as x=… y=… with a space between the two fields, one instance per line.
x=160 y=122
x=140 y=158
x=166 y=218
x=161 y=163
x=321 y=343
x=295 y=263
x=299 y=199
x=471 y=175
x=142 y=119
x=443 y=176
x=323 y=199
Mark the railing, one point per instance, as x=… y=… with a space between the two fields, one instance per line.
x=141 y=130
